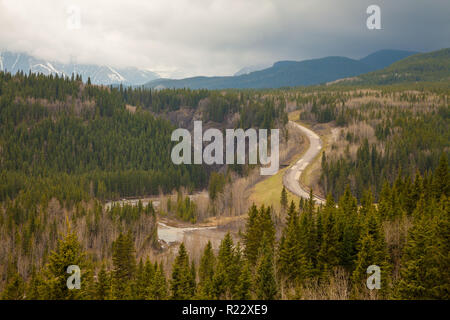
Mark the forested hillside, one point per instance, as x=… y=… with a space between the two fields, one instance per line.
x=54 y=130
x=60 y=129
x=433 y=66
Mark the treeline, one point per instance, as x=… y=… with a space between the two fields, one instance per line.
x=38 y=86
x=323 y=252
x=254 y=108
x=162 y=100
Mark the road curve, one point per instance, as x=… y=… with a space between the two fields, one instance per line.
x=292 y=175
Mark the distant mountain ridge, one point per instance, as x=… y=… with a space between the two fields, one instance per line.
x=100 y=74
x=431 y=66
x=291 y=73
x=383 y=58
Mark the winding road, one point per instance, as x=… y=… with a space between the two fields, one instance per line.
x=291 y=178
x=197 y=236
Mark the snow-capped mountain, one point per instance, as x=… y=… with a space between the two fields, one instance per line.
x=14 y=62
x=250 y=69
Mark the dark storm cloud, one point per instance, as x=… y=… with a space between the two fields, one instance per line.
x=183 y=38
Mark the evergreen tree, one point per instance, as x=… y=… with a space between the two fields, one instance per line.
x=290 y=254
x=206 y=272
x=35 y=286
x=14 y=289
x=372 y=250
x=244 y=287
x=193 y=278
x=124 y=264
x=224 y=279
x=159 y=289
x=441 y=178
x=143 y=280
x=103 y=285
x=266 y=225
x=328 y=252
x=68 y=252
x=148 y=278
x=425 y=262
x=348 y=229
x=252 y=235
x=265 y=283
x=283 y=199
x=181 y=283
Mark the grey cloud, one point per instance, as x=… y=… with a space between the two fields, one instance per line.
x=218 y=37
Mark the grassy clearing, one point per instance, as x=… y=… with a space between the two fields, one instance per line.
x=294 y=115
x=268 y=191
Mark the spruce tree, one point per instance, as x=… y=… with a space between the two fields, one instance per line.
x=141 y=282
x=267 y=227
x=236 y=269
x=224 y=276
x=35 y=286
x=265 y=283
x=425 y=262
x=159 y=289
x=103 y=285
x=252 y=235
x=68 y=252
x=372 y=250
x=348 y=230
x=441 y=178
x=307 y=240
x=192 y=279
x=244 y=287
x=14 y=289
x=181 y=282
x=124 y=267
x=148 y=278
x=206 y=272
x=328 y=252
x=283 y=199
x=289 y=252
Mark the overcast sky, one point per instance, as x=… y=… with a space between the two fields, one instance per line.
x=178 y=38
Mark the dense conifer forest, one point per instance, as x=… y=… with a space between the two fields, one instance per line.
x=322 y=250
